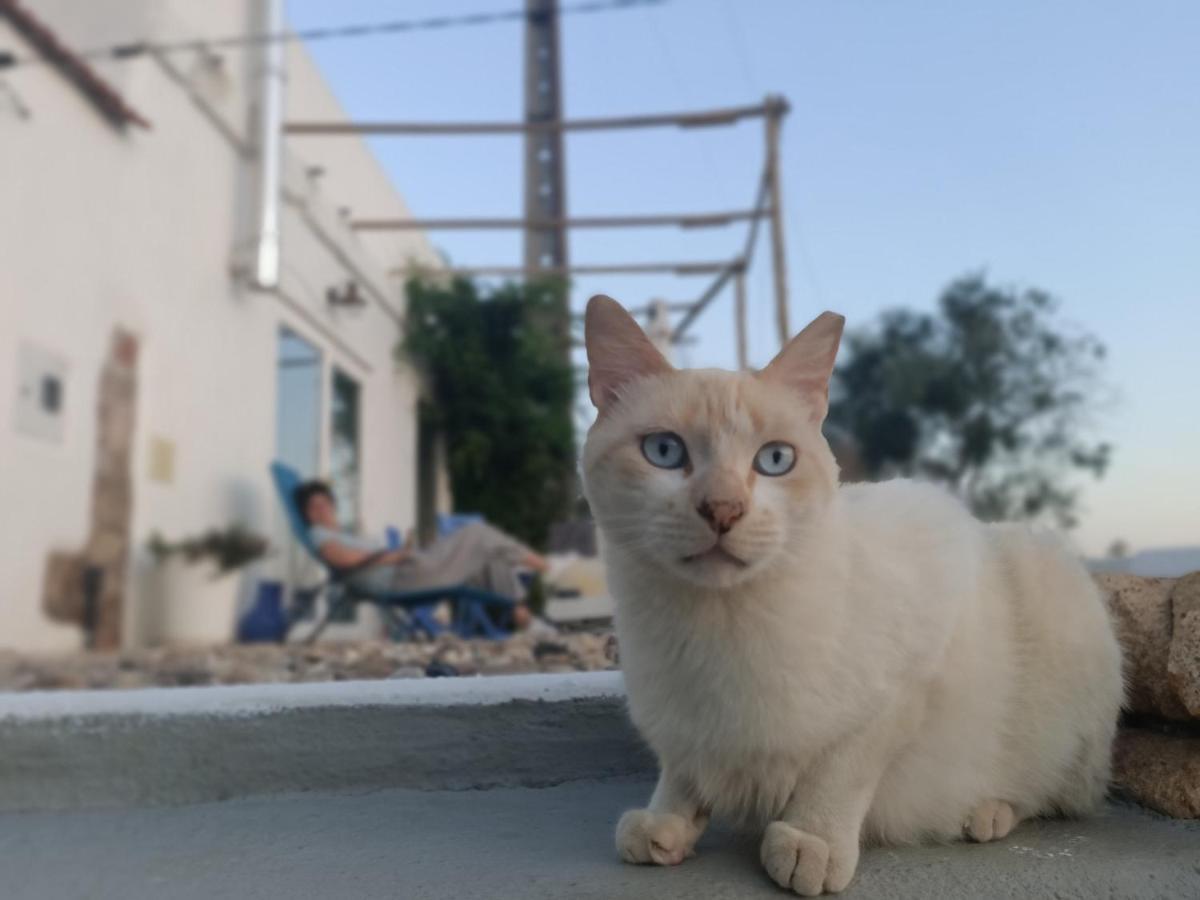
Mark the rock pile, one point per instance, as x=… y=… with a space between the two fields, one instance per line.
x=1157 y=757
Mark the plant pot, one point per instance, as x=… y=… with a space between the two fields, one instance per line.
x=196 y=602
x=266 y=619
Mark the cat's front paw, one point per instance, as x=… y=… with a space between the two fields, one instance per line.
x=991 y=820
x=805 y=863
x=664 y=839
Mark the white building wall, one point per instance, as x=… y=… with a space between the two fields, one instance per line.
x=101 y=228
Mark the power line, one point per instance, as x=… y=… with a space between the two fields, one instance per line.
x=134 y=49
x=737 y=40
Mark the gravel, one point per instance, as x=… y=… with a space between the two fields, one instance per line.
x=293 y=663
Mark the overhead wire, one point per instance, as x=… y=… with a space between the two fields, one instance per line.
x=134 y=49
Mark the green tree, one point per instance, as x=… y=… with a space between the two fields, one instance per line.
x=991 y=395
x=501 y=388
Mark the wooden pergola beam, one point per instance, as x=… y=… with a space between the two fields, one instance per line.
x=682 y=220
x=651 y=268
x=772 y=108
x=734 y=268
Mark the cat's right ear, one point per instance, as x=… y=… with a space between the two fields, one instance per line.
x=618 y=351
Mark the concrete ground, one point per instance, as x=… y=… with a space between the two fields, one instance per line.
x=528 y=843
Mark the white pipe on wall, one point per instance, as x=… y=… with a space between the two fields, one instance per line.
x=273 y=78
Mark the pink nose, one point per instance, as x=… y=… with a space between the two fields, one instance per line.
x=721 y=515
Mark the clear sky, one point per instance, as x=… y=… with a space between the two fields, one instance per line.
x=1050 y=144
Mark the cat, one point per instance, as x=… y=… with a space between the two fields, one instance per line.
x=834 y=664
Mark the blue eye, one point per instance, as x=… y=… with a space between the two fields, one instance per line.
x=775 y=458
x=664 y=449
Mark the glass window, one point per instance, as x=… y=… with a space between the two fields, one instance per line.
x=344 y=455
x=298 y=404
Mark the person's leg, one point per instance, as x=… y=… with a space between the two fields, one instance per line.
x=380 y=579
x=525 y=557
x=479 y=555
x=503 y=542
x=491 y=536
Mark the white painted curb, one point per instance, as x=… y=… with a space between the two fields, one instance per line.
x=265 y=699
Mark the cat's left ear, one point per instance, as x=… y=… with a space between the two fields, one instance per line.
x=806 y=362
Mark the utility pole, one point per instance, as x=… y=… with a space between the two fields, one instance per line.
x=545 y=181
x=545 y=177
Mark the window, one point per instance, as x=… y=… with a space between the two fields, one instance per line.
x=344 y=455
x=298 y=404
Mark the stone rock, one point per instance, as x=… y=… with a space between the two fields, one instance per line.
x=1141 y=609
x=1161 y=771
x=408 y=672
x=320 y=671
x=1183 y=662
x=612 y=652
x=372 y=664
x=457 y=656
x=543 y=649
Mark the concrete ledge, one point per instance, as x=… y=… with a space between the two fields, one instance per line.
x=369 y=786
x=551 y=844
x=171 y=746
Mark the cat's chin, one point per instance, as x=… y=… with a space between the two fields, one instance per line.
x=714 y=568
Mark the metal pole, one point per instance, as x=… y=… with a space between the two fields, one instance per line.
x=778 y=108
x=739 y=317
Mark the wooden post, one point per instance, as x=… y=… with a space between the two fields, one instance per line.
x=739 y=319
x=658 y=327
x=777 y=108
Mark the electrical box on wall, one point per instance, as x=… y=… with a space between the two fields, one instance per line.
x=160 y=460
x=41 y=407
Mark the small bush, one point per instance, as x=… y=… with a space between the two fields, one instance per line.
x=229 y=550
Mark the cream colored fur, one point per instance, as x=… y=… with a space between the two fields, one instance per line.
x=881 y=667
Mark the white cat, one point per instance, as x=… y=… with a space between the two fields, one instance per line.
x=839 y=664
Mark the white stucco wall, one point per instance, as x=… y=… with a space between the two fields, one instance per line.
x=138 y=229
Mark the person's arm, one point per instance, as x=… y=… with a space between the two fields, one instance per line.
x=342 y=557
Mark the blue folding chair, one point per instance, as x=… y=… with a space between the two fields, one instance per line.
x=407 y=612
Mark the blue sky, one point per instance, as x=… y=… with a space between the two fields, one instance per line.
x=1051 y=144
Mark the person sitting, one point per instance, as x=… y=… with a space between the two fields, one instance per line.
x=478 y=554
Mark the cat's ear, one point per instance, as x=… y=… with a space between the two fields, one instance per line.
x=806 y=362
x=618 y=350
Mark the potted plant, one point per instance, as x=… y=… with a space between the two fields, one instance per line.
x=198 y=583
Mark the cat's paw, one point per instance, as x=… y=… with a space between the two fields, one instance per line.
x=805 y=863
x=663 y=839
x=991 y=820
